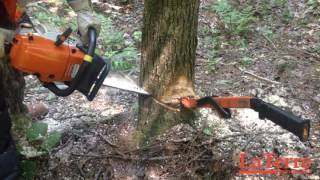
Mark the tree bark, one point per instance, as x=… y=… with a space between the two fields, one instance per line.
x=12 y=81
x=12 y=87
x=169 y=44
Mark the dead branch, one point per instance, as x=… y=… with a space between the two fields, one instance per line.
x=159 y=158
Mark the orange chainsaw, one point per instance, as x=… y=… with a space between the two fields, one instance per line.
x=58 y=58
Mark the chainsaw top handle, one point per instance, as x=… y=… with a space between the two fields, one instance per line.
x=92 y=34
x=87 y=59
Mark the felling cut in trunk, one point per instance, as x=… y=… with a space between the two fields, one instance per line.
x=169 y=44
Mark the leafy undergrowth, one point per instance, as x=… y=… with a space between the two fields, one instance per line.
x=113 y=44
x=277 y=40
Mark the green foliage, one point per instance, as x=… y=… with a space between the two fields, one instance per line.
x=267 y=32
x=34 y=141
x=121 y=65
x=51 y=141
x=313 y=7
x=37 y=131
x=124 y=59
x=39 y=136
x=287 y=15
x=313 y=4
x=282 y=67
x=204 y=30
x=115 y=40
x=128 y=53
x=111 y=42
x=216 y=39
x=29 y=169
x=137 y=36
x=236 y=25
x=125 y=2
x=212 y=65
x=245 y=61
x=274 y=9
x=58 y=2
x=123 y=56
x=236 y=22
x=241 y=43
x=110 y=39
x=207 y=131
x=212 y=41
x=21 y=122
x=279 y=3
x=48 y=17
x=238 y=19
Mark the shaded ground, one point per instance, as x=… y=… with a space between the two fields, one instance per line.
x=95 y=144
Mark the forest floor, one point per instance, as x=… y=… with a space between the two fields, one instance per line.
x=286 y=72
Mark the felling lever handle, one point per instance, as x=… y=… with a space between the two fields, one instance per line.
x=286 y=120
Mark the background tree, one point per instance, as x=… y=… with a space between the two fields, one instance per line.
x=169 y=44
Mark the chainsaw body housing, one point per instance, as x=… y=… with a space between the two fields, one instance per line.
x=37 y=55
x=55 y=57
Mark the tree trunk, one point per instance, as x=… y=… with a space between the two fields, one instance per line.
x=12 y=87
x=12 y=82
x=169 y=44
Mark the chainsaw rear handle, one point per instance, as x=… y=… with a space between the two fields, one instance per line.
x=92 y=35
x=286 y=120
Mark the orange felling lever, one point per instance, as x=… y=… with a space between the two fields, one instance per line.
x=189 y=102
x=223 y=101
x=234 y=101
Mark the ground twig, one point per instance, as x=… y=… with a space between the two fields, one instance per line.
x=97 y=176
x=76 y=116
x=317 y=57
x=81 y=171
x=158 y=158
x=259 y=77
x=107 y=141
x=197 y=156
x=269 y=40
